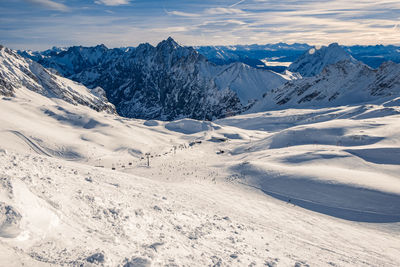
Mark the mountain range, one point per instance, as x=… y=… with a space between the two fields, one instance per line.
x=278 y=56
x=170 y=81
x=164 y=82
x=332 y=77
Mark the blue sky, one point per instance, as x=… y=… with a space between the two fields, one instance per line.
x=41 y=24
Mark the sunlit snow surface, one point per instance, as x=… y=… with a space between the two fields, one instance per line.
x=318 y=187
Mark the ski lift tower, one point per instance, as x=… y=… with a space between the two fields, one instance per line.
x=148 y=159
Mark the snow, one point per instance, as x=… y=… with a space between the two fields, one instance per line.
x=343 y=83
x=294 y=187
x=248 y=83
x=189 y=126
x=267 y=62
x=316 y=59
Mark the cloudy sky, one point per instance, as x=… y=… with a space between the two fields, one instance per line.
x=41 y=24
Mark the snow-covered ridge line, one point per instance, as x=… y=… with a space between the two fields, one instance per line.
x=18 y=73
x=277 y=55
x=335 y=79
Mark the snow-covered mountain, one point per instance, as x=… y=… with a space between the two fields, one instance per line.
x=72 y=60
x=18 y=73
x=315 y=60
x=343 y=83
x=277 y=56
x=163 y=82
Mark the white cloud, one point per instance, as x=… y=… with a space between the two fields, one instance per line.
x=50 y=4
x=171 y=29
x=182 y=14
x=257 y=21
x=112 y=2
x=223 y=10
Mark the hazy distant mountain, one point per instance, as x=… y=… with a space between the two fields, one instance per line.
x=257 y=56
x=277 y=57
x=375 y=55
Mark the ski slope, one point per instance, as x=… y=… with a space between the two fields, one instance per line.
x=309 y=187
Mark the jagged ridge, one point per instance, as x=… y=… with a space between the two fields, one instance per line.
x=164 y=82
x=18 y=73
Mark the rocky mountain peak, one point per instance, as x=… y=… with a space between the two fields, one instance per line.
x=316 y=59
x=169 y=44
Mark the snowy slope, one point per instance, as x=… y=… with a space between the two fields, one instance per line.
x=291 y=187
x=248 y=83
x=339 y=161
x=315 y=60
x=18 y=73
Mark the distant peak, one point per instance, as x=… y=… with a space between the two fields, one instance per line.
x=316 y=59
x=324 y=49
x=334 y=45
x=102 y=46
x=143 y=47
x=170 y=42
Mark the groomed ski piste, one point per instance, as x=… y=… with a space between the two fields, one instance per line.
x=294 y=187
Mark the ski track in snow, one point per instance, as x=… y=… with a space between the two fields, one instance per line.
x=336 y=211
x=215 y=197
x=31 y=144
